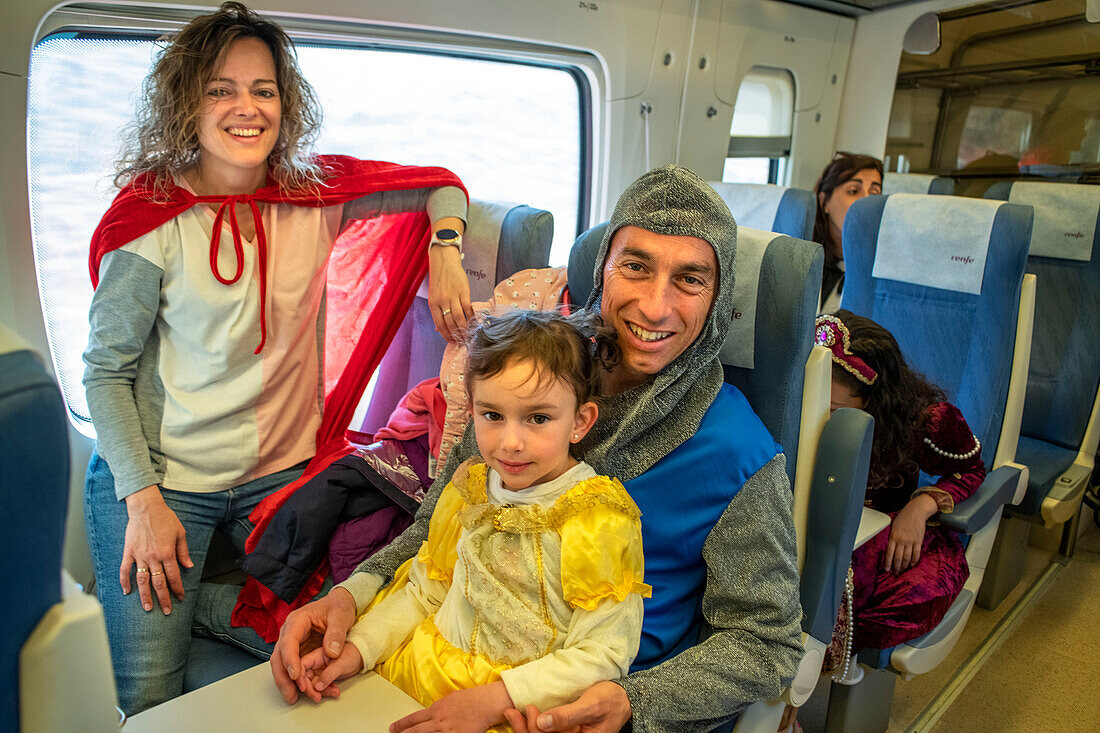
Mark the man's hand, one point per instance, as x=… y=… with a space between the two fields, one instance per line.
x=603 y=708
x=466 y=711
x=321 y=624
x=907 y=533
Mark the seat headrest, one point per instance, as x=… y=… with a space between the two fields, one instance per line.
x=740 y=345
x=582 y=264
x=917 y=183
x=752 y=204
x=1065 y=218
x=935 y=241
x=768 y=207
x=501 y=239
x=480 y=245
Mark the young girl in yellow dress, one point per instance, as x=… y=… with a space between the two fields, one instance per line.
x=529 y=588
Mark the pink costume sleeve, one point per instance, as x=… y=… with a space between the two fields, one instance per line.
x=538 y=289
x=951 y=451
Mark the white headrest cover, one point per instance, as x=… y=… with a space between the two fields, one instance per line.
x=739 y=347
x=906 y=183
x=480 y=244
x=752 y=204
x=935 y=241
x=1065 y=218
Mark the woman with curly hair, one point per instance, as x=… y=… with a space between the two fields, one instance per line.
x=205 y=370
x=848 y=178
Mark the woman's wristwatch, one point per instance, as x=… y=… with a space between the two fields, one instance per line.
x=447 y=238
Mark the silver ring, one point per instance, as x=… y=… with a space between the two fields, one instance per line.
x=446 y=311
x=143 y=570
x=157 y=572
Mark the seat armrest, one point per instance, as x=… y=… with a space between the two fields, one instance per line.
x=836 y=502
x=989 y=498
x=808 y=674
x=66 y=658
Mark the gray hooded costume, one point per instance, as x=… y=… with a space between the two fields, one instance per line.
x=749 y=603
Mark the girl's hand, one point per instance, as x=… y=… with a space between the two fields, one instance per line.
x=907 y=533
x=320 y=672
x=155 y=540
x=466 y=711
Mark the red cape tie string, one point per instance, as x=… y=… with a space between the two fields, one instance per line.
x=230 y=203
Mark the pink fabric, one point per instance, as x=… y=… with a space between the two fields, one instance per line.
x=422 y=410
x=537 y=289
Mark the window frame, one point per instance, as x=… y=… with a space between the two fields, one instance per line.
x=110 y=22
x=775 y=148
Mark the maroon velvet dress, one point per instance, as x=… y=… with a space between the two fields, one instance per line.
x=892 y=609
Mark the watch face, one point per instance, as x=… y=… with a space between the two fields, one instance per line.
x=446 y=235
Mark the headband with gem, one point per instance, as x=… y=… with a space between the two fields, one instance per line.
x=831 y=333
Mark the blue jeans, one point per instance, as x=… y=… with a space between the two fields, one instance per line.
x=214 y=604
x=149 y=649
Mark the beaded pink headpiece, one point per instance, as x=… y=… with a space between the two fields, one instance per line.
x=831 y=333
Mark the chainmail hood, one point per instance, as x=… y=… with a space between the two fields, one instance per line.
x=640 y=426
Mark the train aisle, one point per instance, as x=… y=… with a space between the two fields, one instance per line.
x=1043 y=675
x=1046 y=674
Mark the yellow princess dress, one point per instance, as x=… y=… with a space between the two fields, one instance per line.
x=541 y=588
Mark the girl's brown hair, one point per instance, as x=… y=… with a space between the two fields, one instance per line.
x=571 y=349
x=164 y=135
x=839 y=171
x=897 y=400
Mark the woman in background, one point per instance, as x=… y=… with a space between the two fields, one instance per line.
x=848 y=178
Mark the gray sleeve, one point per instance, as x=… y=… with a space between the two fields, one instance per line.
x=122 y=315
x=751 y=605
x=439 y=203
x=386 y=561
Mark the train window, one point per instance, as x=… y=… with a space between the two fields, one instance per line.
x=513 y=130
x=993 y=131
x=760 y=136
x=1012 y=92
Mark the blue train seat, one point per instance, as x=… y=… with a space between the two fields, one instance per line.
x=917 y=183
x=769 y=355
x=945 y=275
x=52 y=635
x=771 y=208
x=501 y=239
x=1061 y=421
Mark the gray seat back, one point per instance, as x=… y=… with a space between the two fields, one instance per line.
x=34 y=486
x=1064 y=373
x=917 y=183
x=772 y=208
x=501 y=239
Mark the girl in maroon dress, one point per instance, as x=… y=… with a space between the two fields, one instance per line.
x=907 y=576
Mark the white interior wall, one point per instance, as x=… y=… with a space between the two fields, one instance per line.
x=623 y=44
x=872 y=73
x=735 y=35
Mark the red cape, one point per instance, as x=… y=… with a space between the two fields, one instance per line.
x=374 y=271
